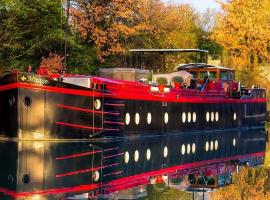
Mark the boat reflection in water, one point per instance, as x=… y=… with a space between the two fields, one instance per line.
x=104 y=167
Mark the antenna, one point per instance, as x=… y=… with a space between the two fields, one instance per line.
x=66 y=35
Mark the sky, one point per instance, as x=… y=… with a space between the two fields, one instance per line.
x=199 y=5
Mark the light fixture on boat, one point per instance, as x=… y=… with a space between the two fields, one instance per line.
x=211 y=146
x=207 y=116
x=149 y=118
x=166 y=118
x=234 y=116
x=165 y=152
x=217 y=116
x=188 y=148
x=207 y=146
x=136 y=156
x=97 y=104
x=148 y=154
x=184 y=117
x=96 y=176
x=137 y=118
x=234 y=142
x=183 y=149
x=216 y=145
x=194 y=117
x=127 y=118
x=212 y=116
x=193 y=148
x=126 y=157
x=189 y=117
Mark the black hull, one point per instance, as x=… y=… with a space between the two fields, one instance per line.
x=40 y=113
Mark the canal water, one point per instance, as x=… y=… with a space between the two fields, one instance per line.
x=176 y=166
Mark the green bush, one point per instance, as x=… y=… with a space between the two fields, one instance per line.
x=177 y=79
x=162 y=81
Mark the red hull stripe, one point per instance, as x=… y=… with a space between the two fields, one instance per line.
x=84 y=154
x=132 y=95
x=52 y=89
x=114 y=173
x=117 y=123
x=79 y=126
x=78 y=155
x=84 y=170
x=86 y=110
x=113 y=156
x=125 y=180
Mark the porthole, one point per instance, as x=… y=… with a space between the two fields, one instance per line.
x=137 y=118
x=194 y=117
x=211 y=146
x=26 y=179
x=234 y=116
x=189 y=117
x=216 y=145
x=234 y=142
x=217 y=116
x=27 y=101
x=166 y=118
x=136 y=156
x=96 y=176
x=184 y=117
x=207 y=116
x=183 y=149
x=165 y=152
x=97 y=104
x=193 y=148
x=212 y=116
x=188 y=149
x=127 y=118
x=148 y=154
x=149 y=118
x=207 y=146
x=126 y=157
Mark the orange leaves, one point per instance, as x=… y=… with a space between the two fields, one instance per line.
x=52 y=64
x=113 y=26
x=105 y=23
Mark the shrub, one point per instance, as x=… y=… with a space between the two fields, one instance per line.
x=162 y=81
x=177 y=79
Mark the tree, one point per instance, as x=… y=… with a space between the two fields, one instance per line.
x=29 y=29
x=53 y=64
x=243 y=31
x=250 y=183
x=105 y=24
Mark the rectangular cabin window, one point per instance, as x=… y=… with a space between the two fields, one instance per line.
x=224 y=76
x=213 y=75
x=203 y=74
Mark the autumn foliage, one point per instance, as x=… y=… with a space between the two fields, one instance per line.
x=249 y=184
x=114 y=26
x=243 y=32
x=52 y=64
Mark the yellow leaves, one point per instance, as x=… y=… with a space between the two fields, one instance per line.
x=248 y=184
x=244 y=26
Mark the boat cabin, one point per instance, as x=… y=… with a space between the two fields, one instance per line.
x=209 y=77
x=215 y=73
